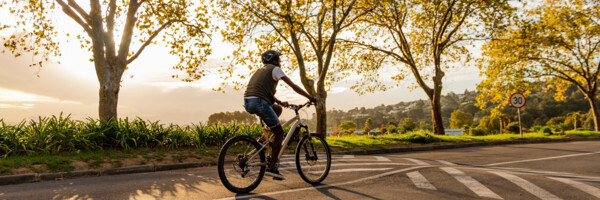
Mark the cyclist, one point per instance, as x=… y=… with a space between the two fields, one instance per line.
x=259 y=99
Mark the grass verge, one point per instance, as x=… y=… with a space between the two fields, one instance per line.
x=103 y=159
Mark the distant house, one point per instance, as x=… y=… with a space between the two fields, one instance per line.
x=454 y=132
x=360 y=115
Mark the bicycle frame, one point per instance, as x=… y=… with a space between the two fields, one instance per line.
x=297 y=124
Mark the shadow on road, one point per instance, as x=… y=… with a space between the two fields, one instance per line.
x=550 y=149
x=132 y=186
x=328 y=192
x=258 y=196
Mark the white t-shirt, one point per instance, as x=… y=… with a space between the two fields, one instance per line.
x=277 y=73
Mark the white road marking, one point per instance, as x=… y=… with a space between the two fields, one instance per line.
x=358 y=170
x=381 y=158
x=471 y=183
x=420 y=181
x=528 y=186
x=445 y=162
x=348 y=157
x=418 y=162
x=353 y=164
x=324 y=186
x=546 y=158
x=579 y=185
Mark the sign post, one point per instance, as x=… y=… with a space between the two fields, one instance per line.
x=518 y=100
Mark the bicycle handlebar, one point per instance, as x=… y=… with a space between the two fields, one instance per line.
x=298 y=107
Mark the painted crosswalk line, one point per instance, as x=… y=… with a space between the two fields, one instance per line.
x=579 y=185
x=381 y=158
x=348 y=157
x=445 y=162
x=420 y=181
x=357 y=170
x=471 y=183
x=418 y=162
x=528 y=186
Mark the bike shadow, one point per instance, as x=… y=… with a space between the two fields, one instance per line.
x=327 y=191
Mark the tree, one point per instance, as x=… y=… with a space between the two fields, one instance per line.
x=460 y=119
x=368 y=125
x=573 y=116
x=347 y=125
x=409 y=125
x=556 y=44
x=183 y=24
x=427 y=37
x=306 y=29
x=489 y=124
x=241 y=117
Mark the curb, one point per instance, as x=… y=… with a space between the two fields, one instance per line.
x=29 y=178
x=454 y=146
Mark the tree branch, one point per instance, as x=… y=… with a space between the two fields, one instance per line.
x=67 y=10
x=148 y=42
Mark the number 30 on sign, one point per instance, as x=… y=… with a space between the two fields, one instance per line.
x=517 y=100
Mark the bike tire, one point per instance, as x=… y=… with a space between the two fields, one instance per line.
x=221 y=165
x=300 y=150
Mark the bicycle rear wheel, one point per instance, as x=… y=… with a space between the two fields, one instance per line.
x=241 y=167
x=313 y=159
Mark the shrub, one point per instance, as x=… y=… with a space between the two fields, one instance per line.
x=366 y=130
x=392 y=128
x=560 y=128
x=555 y=121
x=408 y=125
x=546 y=130
x=513 y=127
x=423 y=138
x=476 y=132
x=347 y=125
x=536 y=128
x=383 y=129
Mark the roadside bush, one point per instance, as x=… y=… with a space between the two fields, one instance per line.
x=513 y=127
x=546 y=130
x=422 y=138
x=408 y=125
x=561 y=128
x=536 y=128
x=555 y=121
x=52 y=135
x=392 y=128
x=383 y=129
x=476 y=132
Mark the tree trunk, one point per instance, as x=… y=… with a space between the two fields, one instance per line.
x=436 y=116
x=592 y=100
x=321 y=110
x=109 y=94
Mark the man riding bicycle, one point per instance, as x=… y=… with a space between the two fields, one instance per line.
x=259 y=99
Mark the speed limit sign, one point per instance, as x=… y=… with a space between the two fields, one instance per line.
x=517 y=100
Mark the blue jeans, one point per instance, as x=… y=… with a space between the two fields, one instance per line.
x=263 y=109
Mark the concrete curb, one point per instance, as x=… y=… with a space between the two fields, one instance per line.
x=29 y=178
x=454 y=146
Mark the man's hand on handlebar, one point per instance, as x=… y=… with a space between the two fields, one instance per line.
x=284 y=104
x=313 y=100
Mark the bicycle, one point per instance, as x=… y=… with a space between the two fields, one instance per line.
x=248 y=162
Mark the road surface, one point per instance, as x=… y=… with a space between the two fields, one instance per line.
x=530 y=171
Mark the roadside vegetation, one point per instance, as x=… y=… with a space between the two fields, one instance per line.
x=58 y=143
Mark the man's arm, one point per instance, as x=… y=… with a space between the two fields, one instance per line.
x=297 y=88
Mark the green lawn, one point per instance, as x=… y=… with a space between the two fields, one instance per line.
x=366 y=142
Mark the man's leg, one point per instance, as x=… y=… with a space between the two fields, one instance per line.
x=276 y=145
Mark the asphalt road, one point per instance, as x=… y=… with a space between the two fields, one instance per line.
x=530 y=171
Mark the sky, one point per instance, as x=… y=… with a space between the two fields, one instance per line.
x=71 y=87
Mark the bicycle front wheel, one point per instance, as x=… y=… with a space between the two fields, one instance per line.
x=241 y=166
x=313 y=159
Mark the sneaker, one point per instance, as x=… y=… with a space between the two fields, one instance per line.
x=274 y=172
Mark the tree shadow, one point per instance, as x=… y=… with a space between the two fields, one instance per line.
x=130 y=186
x=551 y=149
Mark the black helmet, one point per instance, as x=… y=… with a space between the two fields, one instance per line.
x=270 y=57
